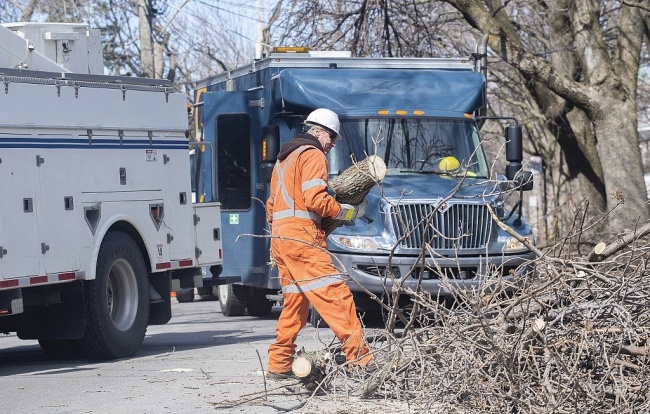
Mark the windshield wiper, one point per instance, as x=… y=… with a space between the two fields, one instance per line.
x=420 y=171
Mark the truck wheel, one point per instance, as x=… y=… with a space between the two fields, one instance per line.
x=60 y=348
x=185 y=295
x=232 y=299
x=117 y=301
x=258 y=304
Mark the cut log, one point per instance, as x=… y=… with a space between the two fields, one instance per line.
x=311 y=367
x=600 y=252
x=354 y=184
x=596 y=253
x=301 y=367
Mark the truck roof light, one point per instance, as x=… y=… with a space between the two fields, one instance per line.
x=290 y=49
x=418 y=112
x=383 y=112
x=401 y=112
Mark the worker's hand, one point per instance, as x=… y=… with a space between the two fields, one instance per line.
x=350 y=212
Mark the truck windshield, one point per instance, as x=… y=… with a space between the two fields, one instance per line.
x=411 y=146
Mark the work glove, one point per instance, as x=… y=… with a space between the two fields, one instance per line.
x=350 y=212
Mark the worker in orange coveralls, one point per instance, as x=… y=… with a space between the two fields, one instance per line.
x=298 y=201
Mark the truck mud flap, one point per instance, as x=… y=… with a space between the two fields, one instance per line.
x=160 y=305
x=61 y=320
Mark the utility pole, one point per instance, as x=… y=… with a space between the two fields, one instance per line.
x=145 y=15
x=260 y=29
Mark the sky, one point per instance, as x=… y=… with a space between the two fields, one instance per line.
x=240 y=18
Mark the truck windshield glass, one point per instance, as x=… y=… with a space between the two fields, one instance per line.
x=411 y=145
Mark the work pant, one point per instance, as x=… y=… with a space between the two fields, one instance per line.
x=307 y=275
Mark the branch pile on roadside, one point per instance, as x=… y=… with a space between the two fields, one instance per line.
x=572 y=337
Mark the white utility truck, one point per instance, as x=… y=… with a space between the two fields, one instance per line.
x=97 y=223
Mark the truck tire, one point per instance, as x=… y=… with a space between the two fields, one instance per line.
x=185 y=295
x=258 y=304
x=61 y=348
x=232 y=299
x=117 y=301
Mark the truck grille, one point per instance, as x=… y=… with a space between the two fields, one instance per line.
x=459 y=226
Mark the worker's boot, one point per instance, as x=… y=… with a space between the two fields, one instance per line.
x=281 y=376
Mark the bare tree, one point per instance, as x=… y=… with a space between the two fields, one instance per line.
x=586 y=91
x=567 y=69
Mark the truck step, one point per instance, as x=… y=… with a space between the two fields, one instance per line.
x=221 y=280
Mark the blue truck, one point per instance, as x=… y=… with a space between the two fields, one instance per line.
x=429 y=220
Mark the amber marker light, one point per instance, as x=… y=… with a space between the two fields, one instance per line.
x=290 y=49
x=418 y=112
x=401 y=112
x=264 y=149
x=468 y=116
x=383 y=112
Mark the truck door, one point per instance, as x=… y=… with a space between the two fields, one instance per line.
x=232 y=124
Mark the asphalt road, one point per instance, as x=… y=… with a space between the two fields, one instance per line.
x=199 y=362
x=200 y=358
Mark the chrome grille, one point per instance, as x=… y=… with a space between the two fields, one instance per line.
x=459 y=226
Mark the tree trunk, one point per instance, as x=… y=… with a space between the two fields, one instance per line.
x=354 y=184
x=618 y=146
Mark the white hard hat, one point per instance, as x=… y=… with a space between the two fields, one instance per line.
x=325 y=118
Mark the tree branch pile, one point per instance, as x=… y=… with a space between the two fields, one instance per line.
x=572 y=337
x=569 y=336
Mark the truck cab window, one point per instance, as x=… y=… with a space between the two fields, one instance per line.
x=233 y=149
x=410 y=145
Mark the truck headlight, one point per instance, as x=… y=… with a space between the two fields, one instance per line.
x=355 y=242
x=511 y=244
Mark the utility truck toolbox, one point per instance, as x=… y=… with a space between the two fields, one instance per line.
x=96 y=215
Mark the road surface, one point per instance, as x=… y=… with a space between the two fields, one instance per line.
x=200 y=362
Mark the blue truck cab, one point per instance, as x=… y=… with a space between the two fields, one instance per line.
x=428 y=221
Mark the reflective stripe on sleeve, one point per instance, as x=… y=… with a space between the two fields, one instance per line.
x=313 y=183
x=297 y=213
x=316 y=284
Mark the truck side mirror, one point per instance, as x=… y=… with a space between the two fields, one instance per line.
x=524 y=180
x=270 y=149
x=514 y=151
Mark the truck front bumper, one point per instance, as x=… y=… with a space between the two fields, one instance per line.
x=439 y=277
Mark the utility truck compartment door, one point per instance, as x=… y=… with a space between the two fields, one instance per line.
x=20 y=249
x=207 y=225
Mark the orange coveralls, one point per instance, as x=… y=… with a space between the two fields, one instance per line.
x=297 y=202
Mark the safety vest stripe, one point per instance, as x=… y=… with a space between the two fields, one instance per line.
x=313 y=183
x=316 y=284
x=296 y=213
x=291 y=211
